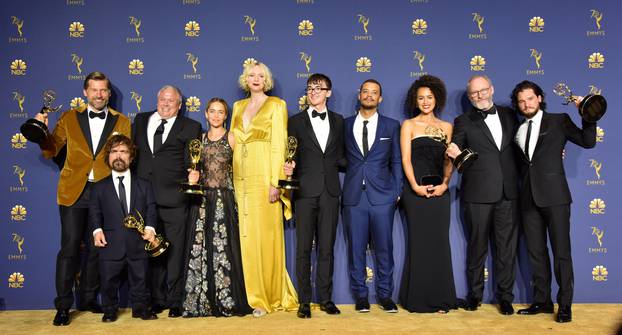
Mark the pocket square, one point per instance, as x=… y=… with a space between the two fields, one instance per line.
x=385 y=138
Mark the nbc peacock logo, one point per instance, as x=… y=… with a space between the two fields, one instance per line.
x=18 y=141
x=193 y=104
x=18 y=67
x=302 y=103
x=599 y=273
x=18 y=213
x=16 y=280
x=192 y=29
x=478 y=63
x=596 y=61
x=76 y=30
x=305 y=28
x=363 y=65
x=419 y=27
x=597 y=206
x=136 y=67
x=76 y=103
x=536 y=25
x=600 y=134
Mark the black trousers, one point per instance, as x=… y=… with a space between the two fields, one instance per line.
x=316 y=219
x=75 y=232
x=167 y=275
x=498 y=223
x=111 y=271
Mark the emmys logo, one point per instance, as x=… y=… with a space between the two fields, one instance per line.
x=536 y=25
x=597 y=206
x=192 y=29
x=599 y=273
x=420 y=58
x=136 y=23
x=18 y=141
x=596 y=61
x=597 y=166
x=479 y=22
x=304 y=2
x=76 y=30
x=598 y=17
x=420 y=27
x=363 y=64
x=190 y=2
x=478 y=63
x=76 y=103
x=20 y=98
x=369 y=275
x=600 y=134
x=193 y=60
x=305 y=28
x=193 y=104
x=18 y=213
x=599 y=234
x=77 y=60
x=302 y=103
x=19 y=242
x=76 y=2
x=136 y=67
x=251 y=22
x=19 y=23
x=537 y=57
x=16 y=280
x=138 y=99
x=18 y=67
x=306 y=59
x=20 y=173
x=364 y=21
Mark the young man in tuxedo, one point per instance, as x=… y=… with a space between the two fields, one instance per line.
x=489 y=191
x=319 y=155
x=371 y=189
x=162 y=139
x=121 y=248
x=545 y=196
x=83 y=132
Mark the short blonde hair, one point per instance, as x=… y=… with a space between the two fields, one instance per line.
x=268 y=81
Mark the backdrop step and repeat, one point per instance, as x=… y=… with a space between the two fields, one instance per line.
x=200 y=46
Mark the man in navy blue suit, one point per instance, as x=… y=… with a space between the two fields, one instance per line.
x=371 y=190
x=121 y=248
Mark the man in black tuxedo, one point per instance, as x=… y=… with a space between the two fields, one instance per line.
x=162 y=139
x=316 y=204
x=545 y=197
x=489 y=191
x=120 y=248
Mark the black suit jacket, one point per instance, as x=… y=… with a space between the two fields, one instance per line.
x=494 y=174
x=545 y=172
x=105 y=212
x=167 y=167
x=315 y=169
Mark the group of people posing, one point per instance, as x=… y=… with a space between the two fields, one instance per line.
x=227 y=253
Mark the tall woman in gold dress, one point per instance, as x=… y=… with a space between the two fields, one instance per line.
x=259 y=126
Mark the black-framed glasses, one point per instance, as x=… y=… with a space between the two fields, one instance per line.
x=482 y=92
x=316 y=89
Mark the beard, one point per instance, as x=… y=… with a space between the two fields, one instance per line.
x=482 y=104
x=369 y=105
x=119 y=165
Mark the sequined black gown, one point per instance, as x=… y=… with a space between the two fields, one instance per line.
x=214 y=281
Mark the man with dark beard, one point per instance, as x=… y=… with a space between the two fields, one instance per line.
x=120 y=248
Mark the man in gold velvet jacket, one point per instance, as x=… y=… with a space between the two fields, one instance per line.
x=83 y=132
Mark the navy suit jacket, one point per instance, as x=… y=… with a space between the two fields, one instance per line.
x=381 y=168
x=105 y=212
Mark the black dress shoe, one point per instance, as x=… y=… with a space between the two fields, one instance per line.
x=61 y=318
x=537 y=308
x=330 y=308
x=157 y=308
x=174 y=312
x=388 y=305
x=362 y=305
x=144 y=314
x=564 y=314
x=472 y=304
x=505 y=308
x=91 y=306
x=109 y=317
x=304 y=311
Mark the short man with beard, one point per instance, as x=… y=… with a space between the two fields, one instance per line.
x=121 y=248
x=371 y=189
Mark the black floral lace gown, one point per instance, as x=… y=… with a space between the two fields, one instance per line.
x=214 y=283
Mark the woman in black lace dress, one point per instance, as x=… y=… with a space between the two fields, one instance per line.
x=427 y=281
x=214 y=279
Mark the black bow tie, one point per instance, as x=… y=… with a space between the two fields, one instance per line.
x=321 y=115
x=490 y=111
x=101 y=115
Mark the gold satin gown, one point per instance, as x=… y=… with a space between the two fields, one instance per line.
x=258 y=159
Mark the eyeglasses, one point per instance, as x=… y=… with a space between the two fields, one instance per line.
x=316 y=89
x=482 y=92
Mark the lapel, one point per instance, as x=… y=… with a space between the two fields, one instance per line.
x=111 y=120
x=544 y=126
x=479 y=122
x=309 y=130
x=379 y=129
x=83 y=120
x=350 y=136
x=332 y=129
x=507 y=133
x=112 y=190
x=133 y=194
x=175 y=129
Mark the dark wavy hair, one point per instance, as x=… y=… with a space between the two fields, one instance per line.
x=318 y=78
x=435 y=85
x=116 y=140
x=525 y=85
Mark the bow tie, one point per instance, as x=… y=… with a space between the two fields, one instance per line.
x=101 y=115
x=490 y=111
x=321 y=115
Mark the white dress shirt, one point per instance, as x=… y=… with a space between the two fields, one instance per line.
x=494 y=125
x=96 y=127
x=321 y=128
x=521 y=134
x=371 y=130
x=154 y=123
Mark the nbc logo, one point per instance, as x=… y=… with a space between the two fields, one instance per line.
x=192 y=29
x=249 y=61
x=419 y=27
x=600 y=134
x=76 y=30
x=597 y=206
x=363 y=64
x=596 y=61
x=478 y=63
x=18 y=141
x=18 y=67
x=305 y=28
x=599 y=273
x=193 y=104
x=536 y=25
x=302 y=103
x=18 y=213
x=77 y=102
x=136 y=67
x=16 y=280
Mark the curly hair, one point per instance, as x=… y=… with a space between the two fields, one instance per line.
x=526 y=85
x=119 y=139
x=268 y=79
x=435 y=85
